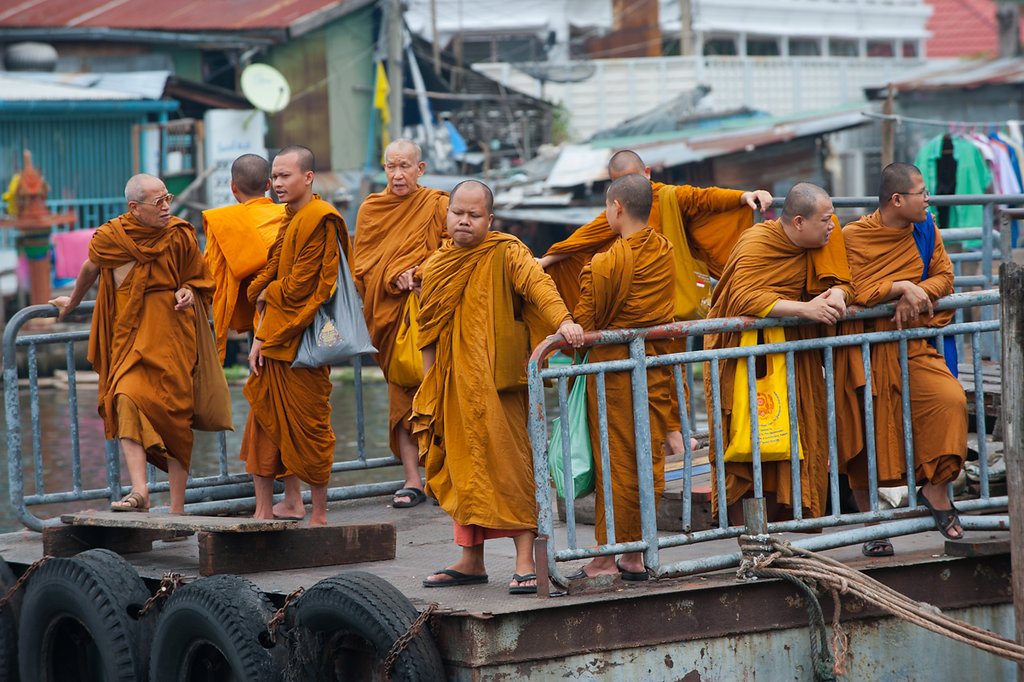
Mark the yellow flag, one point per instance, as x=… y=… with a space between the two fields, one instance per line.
x=380 y=101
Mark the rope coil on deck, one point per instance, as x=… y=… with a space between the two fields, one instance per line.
x=796 y=564
x=22 y=580
x=402 y=642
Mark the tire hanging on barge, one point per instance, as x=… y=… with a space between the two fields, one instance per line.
x=214 y=628
x=9 y=624
x=79 y=621
x=349 y=623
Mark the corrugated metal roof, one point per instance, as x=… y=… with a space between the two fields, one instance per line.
x=148 y=84
x=967 y=75
x=184 y=15
x=18 y=89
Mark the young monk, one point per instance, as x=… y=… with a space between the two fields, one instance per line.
x=143 y=337
x=792 y=267
x=395 y=232
x=896 y=254
x=289 y=433
x=630 y=285
x=472 y=438
x=238 y=238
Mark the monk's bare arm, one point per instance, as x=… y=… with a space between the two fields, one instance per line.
x=828 y=307
x=429 y=354
x=86 y=278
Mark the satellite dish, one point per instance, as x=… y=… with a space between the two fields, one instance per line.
x=265 y=88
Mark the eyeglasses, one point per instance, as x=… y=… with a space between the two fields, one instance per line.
x=923 y=193
x=165 y=199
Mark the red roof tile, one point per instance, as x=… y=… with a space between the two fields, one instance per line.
x=962 y=28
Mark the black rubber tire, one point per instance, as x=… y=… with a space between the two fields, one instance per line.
x=343 y=627
x=214 y=629
x=9 y=624
x=79 y=621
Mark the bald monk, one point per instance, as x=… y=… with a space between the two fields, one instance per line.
x=238 y=238
x=288 y=434
x=472 y=438
x=630 y=285
x=395 y=232
x=896 y=254
x=792 y=267
x=713 y=219
x=143 y=337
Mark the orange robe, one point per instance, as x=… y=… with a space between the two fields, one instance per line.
x=238 y=238
x=394 y=234
x=630 y=285
x=879 y=256
x=765 y=267
x=142 y=348
x=712 y=218
x=289 y=426
x=473 y=440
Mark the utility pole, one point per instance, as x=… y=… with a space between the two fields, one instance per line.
x=436 y=48
x=393 y=17
x=1008 y=23
x=685 y=29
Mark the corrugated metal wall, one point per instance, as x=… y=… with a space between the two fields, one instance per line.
x=85 y=158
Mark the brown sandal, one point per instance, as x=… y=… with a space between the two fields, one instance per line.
x=132 y=502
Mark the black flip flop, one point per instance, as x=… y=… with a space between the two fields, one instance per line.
x=523 y=589
x=415 y=495
x=456 y=578
x=945 y=519
x=877 y=548
x=632 y=576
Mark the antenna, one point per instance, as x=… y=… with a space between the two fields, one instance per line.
x=265 y=88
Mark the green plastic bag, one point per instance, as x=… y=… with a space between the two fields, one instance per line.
x=581 y=457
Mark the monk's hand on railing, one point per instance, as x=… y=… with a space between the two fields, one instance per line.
x=913 y=300
x=184 y=298
x=572 y=333
x=63 y=305
x=829 y=307
x=759 y=199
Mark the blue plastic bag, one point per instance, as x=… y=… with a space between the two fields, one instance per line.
x=581 y=456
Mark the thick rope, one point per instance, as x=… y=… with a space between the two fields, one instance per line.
x=789 y=562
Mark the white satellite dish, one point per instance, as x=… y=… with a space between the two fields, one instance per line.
x=265 y=88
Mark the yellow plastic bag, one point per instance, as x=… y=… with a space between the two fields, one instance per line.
x=693 y=282
x=772 y=406
x=406 y=365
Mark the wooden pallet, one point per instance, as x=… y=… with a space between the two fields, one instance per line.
x=226 y=544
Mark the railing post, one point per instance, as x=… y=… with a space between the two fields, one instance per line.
x=1011 y=285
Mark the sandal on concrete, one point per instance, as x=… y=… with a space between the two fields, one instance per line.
x=415 y=495
x=877 y=548
x=132 y=502
x=945 y=519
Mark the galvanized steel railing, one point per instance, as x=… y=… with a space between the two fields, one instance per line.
x=224 y=492
x=638 y=363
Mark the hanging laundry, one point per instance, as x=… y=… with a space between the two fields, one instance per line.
x=971 y=174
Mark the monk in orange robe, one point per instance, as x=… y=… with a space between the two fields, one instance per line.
x=143 y=337
x=886 y=264
x=792 y=267
x=713 y=219
x=289 y=432
x=472 y=437
x=630 y=285
x=395 y=232
x=238 y=238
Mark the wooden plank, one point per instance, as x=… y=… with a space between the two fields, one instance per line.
x=979 y=548
x=178 y=522
x=68 y=540
x=298 y=548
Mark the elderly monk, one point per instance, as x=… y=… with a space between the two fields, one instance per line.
x=896 y=254
x=792 y=267
x=630 y=285
x=472 y=438
x=238 y=238
x=713 y=219
x=288 y=434
x=395 y=232
x=143 y=337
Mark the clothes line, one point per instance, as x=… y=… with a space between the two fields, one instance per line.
x=899 y=118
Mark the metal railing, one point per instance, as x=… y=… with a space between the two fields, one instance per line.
x=224 y=492
x=637 y=363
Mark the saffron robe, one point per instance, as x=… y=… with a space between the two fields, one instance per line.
x=238 y=238
x=472 y=439
x=394 y=234
x=292 y=406
x=630 y=285
x=712 y=219
x=766 y=267
x=142 y=348
x=879 y=256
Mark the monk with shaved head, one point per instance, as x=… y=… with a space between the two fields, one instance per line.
x=288 y=434
x=238 y=238
x=396 y=231
x=792 y=267
x=143 y=337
